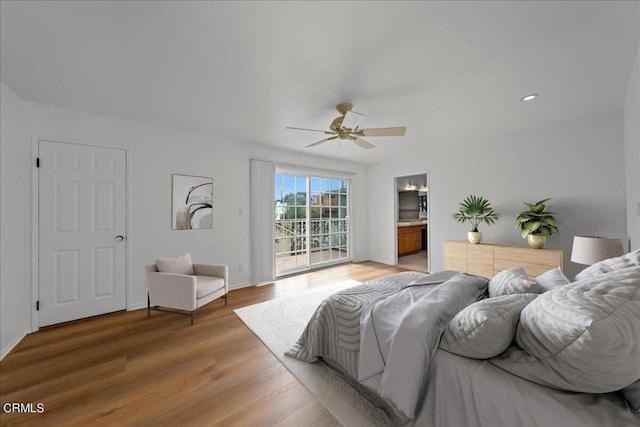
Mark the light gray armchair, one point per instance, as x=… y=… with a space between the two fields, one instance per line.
x=182 y=290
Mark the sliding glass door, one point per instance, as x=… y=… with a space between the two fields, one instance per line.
x=329 y=231
x=291 y=223
x=311 y=222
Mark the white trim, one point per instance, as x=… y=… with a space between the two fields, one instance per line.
x=308 y=174
x=127 y=188
x=350 y=201
x=248 y=284
x=285 y=169
x=35 y=260
x=136 y=306
x=143 y=305
x=35 y=232
x=13 y=343
x=310 y=169
x=396 y=219
x=307 y=222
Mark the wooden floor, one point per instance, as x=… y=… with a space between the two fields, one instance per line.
x=123 y=369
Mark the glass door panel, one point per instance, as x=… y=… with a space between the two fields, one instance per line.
x=311 y=222
x=330 y=220
x=290 y=224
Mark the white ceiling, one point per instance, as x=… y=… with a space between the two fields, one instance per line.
x=449 y=71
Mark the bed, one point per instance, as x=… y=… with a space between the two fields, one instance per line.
x=454 y=349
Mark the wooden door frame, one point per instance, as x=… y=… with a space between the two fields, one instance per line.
x=35 y=223
x=395 y=215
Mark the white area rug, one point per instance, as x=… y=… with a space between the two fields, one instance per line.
x=279 y=323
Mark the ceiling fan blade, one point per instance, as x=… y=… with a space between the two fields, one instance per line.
x=328 y=132
x=362 y=143
x=396 y=131
x=321 y=141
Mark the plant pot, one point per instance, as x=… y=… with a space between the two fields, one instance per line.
x=474 y=236
x=536 y=241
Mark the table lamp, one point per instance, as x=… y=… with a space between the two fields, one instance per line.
x=591 y=249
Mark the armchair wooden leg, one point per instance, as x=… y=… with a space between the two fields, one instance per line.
x=148 y=306
x=192 y=317
x=225 y=300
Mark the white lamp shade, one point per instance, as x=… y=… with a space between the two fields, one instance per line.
x=590 y=249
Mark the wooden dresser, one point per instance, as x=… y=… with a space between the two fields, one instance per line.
x=488 y=260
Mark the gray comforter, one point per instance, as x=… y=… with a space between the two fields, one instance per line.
x=385 y=332
x=333 y=333
x=400 y=335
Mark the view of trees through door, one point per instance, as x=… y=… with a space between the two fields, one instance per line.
x=311 y=222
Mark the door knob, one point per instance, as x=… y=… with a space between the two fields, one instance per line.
x=120 y=238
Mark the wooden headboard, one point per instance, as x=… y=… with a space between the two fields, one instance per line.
x=488 y=260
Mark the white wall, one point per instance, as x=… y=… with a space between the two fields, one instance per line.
x=154 y=153
x=632 y=155
x=15 y=221
x=580 y=164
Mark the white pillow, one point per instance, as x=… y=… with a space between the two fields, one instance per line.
x=512 y=281
x=630 y=260
x=176 y=264
x=552 y=279
x=581 y=337
x=485 y=328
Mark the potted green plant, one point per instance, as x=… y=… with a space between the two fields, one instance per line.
x=476 y=209
x=536 y=224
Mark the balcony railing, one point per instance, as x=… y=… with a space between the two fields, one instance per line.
x=324 y=233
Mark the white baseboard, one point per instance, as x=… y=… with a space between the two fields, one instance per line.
x=13 y=343
x=141 y=305
x=137 y=306
x=239 y=286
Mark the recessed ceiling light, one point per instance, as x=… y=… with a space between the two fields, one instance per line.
x=529 y=97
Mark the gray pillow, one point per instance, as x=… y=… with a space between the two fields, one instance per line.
x=632 y=396
x=581 y=337
x=486 y=328
x=552 y=279
x=512 y=281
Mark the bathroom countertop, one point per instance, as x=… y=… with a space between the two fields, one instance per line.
x=411 y=222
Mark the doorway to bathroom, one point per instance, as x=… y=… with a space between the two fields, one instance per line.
x=412 y=221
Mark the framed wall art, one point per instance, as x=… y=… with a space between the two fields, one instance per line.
x=192 y=202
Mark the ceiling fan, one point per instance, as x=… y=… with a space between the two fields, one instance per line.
x=347 y=128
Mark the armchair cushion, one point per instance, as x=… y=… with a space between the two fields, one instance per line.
x=206 y=285
x=177 y=264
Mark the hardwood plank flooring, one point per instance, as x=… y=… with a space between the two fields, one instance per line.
x=123 y=369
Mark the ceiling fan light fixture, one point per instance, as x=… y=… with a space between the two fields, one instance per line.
x=529 y=97
x=347 y=128
x=352 y=120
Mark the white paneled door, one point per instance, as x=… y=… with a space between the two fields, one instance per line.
x=82 y=223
